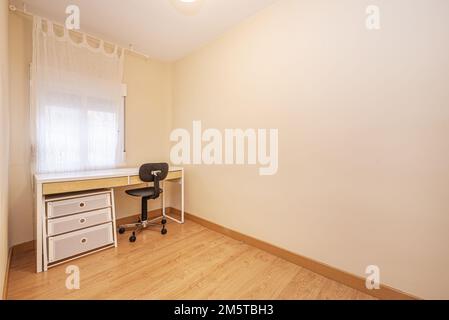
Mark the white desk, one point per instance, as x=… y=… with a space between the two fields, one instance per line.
x=52 y=184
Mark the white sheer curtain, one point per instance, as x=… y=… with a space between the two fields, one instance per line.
x=77 y=103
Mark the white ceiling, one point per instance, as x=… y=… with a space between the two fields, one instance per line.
x=155 y=27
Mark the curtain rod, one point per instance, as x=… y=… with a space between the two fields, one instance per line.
x=29 y=15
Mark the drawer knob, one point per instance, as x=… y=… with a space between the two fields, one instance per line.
x=84 y=240
x=83 y=220
x=82 y=205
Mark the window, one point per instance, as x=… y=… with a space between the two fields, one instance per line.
x=77 y=104
x=77 y=138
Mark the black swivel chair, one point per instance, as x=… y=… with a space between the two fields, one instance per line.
x=152 y=172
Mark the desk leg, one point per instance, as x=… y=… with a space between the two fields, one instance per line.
x=182 y=197
x=114 y=219
x=44 y=237
x=182 y=202
x=40 y=213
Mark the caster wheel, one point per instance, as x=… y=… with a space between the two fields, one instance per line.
x=132 y=239
x=164 y=231
x=121 y=230
x=164 y=221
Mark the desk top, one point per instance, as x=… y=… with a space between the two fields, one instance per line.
x=88 y=175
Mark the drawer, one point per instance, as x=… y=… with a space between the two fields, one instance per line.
x=79 y=242
x=79 y=221
x=77 y=205
x=173 y=175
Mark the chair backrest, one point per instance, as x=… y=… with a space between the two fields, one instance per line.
x=153 y=172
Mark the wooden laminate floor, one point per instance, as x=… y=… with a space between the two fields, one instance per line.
x=191 y=262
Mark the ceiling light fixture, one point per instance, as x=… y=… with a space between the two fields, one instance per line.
x=187 y=7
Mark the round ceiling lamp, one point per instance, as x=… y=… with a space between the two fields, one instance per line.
x=187 y=7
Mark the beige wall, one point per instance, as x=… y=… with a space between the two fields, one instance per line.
x=148 y=124
x=363 y=120
x=363 y=124
x=21 y=194
x=148 y=121
x=4 y=141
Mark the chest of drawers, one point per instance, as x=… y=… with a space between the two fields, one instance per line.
x=79 y=224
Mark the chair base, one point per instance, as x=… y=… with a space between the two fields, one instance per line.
x=140 y=226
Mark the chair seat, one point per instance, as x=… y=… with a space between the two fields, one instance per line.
x=142 y=192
